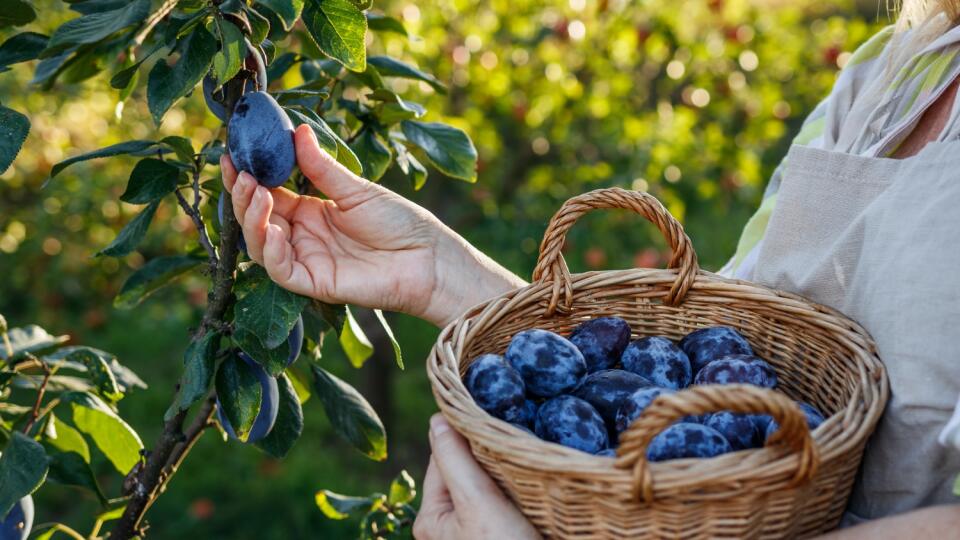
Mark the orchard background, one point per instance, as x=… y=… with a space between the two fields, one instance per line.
x=694 y=100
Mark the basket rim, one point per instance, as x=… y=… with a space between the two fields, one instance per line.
x=841 y=433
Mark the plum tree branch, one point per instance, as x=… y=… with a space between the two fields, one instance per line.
x=153 y=20
x=194 y=213
x=173 y=445
x=35 y=413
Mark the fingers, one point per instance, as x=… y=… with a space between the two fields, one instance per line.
x=281 y=263
x=228 y=171
x=468 y=484
x=255 y=221
x=436 y=518
x=329 y=176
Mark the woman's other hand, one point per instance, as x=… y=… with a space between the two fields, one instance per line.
x=460 y=501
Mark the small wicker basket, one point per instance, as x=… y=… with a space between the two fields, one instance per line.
x=797 y=486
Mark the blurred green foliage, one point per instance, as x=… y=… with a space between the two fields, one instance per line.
x=693 y=100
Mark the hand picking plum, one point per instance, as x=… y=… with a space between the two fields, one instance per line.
x=659 y=360
x=687 y=440
x=260 y=139
x=572 y=422
x=739 y=368
x=707 y=344
x=549 y=364
x=497 y=388
x=601 y=341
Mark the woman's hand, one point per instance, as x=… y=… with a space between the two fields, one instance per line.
x=460 y=501
x=363 y=245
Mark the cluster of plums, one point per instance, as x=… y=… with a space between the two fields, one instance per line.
x=585 y=390
x=270 y=395
x=18 y=521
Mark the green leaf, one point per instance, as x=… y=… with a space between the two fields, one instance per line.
x=384 y=23
x=180 y=146
x=111 y=434
x=288 y=10
x=391 y=67
x=30 y=339
x=98 y=372
x=126 y=378
x=131 y=235
x=22 y=47
x=16 y=13
x=229 y=59
x=372 y=153
x=289 y=425
x=155 y=274
x=266 y=309
x=362 y=5
x=350 y=414
x=95 y=26
x=301 y=385
x=410 y=166
x=393 y=340
x=198 y=362
x=395 y=108
x=151 y=180
x=273 y=360
x=23 y=468
x=347 y=158
x=259 y=26
x=70 y=457
x=403 y=489
x=281 y=65
x=354 y=342
x=339 y=29
x=448 y=148
x=166 y=84
x=336 y=506
x=126 y=147
x=14 y=128
x=240 y=395
x=326 y=137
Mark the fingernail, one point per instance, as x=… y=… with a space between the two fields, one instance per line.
x=438 y=425
x=258 y=195
x=244 y=179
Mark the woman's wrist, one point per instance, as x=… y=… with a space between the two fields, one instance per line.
x=464 y=277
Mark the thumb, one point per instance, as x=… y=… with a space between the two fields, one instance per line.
x=468 y=484
x=325 y=172
x=437 y=517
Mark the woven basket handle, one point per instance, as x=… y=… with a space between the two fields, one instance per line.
x=738 y=398
x=552 y=268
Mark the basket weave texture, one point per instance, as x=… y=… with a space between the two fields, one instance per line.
x=796 y=486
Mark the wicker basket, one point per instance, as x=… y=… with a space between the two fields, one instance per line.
x=797 y=486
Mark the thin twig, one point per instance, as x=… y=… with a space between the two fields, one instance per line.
x=153 y=21
x=203 y=237
x=35 y=413
x=60 y=527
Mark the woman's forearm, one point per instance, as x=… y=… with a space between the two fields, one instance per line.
x=465 y=277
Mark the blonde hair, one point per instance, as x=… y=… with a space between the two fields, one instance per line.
x=912 y=13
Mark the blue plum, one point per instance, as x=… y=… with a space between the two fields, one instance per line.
x=633 y=406
x=260 y=139
x=18 y=522
x=707 y=344
x=295 y=341
x=659 y=360
x=210 y=96
x=738 y=368
x=241 y=243
x=814 y=419
x=687 y=440
x=740 y=430
x=529 y=412
x=606 y=390
x=497 y=388
x=549 y=364
x=269 y=404
x=572 y=422
x=601 y=341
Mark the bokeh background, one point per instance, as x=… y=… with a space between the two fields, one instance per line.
x=693 y=100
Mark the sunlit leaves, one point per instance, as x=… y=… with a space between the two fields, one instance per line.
x=288 y=10
x=165 y=84
x=339 y=28
x=350 y=414
x=23 y=467
x=229 y=59
x=372 y=153
x=337 y=506
x=265 y=309
x=111 y=434
x=126 y=147
x=98 y=372
x=14 y=127
x=30 y=339
x=354 y=342
x=95 y=26
x=448 y=148
x=391 y=67
x=151 y=180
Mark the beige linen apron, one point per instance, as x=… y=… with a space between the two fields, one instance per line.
x=879 y=240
